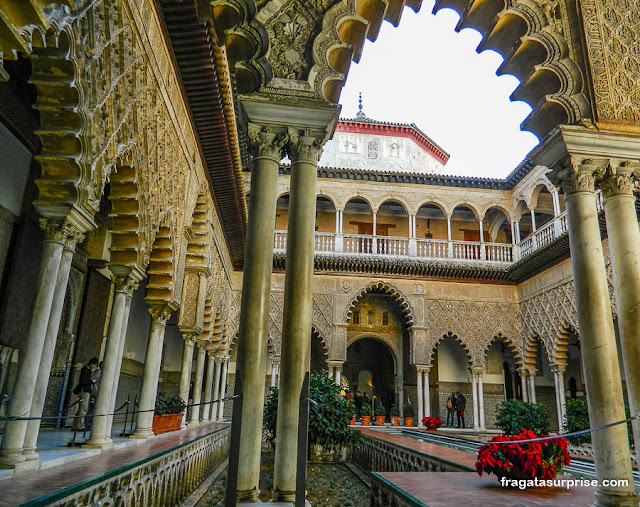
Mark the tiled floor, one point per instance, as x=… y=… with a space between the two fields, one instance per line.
x=468 y=489
x=24 y=488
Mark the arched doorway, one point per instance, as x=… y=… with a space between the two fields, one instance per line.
x=370 y=369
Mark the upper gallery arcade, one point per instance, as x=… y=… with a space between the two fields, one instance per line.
x=147 y=220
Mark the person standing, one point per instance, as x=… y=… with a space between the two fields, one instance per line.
x=451 y=410
x=357 y=401
x=461 y=403
x=83 y=390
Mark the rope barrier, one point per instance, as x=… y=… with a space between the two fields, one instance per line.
x=116 y=412
x=565 y=435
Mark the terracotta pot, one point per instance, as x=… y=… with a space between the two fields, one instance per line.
x=366 y=420
x=353 y=420
x=408 y=421
x=380 y=420
x=395 y=420
x=166 y=423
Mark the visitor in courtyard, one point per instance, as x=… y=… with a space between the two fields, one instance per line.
x=357 y=401
x=451 y=410
x=461 y=403
x=83 y=390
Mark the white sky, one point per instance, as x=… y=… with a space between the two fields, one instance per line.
x=423 y=72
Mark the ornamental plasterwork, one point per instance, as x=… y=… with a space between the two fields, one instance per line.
x=613 y=45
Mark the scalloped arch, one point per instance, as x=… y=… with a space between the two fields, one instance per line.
x=397 y=294
x=531 y=350
x=517 y=352
x=458 y=340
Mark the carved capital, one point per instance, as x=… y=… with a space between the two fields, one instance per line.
x=618 y=178
x=190 y=339
x=557 y=368
x=305 y=147
x=127 y=284
x=578 y=175
x=267 y=143
x=61 y=231
x=160 y=314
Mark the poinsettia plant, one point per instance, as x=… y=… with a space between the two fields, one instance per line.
x=541 y=460
x=432 y=423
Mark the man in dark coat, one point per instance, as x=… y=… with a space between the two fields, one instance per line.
x=357 y=401
x=461 y=403
x=83 y=390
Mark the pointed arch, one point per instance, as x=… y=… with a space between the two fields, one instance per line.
x=397 y=294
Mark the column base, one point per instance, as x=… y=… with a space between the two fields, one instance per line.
x=99 y=443
x=612 y=499
x=193 y=424
x=143 y=434
x=10 y=458
x=30 y=453
x=22 y=467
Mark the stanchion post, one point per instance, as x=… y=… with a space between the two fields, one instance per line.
x=303 y=443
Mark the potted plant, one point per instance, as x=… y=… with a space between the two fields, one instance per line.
x=409 y=414
x=329 y=432
x=394 y=415
x=167 y=414
x=380 y=412
x=515 y=461
x=366 y=414
x=432 y=423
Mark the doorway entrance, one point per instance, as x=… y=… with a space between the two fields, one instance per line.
x=370 y=368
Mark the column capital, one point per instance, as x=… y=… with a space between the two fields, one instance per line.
x=557 y=368
x=305 y=145
x=267 y=142
x=478 y=370
x=61 y=231
x=160 y=314
x=189 y=338
x=126 y=284
x=275 y=359
x=202 y=345
x=618 y=177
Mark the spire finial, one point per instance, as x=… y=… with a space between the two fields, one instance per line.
x=360 y=115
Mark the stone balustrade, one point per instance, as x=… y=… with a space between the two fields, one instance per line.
x=162 y=479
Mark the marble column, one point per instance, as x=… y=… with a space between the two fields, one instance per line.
x=483 y=252
x=273 y=374
x=125 y=283
x=29 y=364
x=151 y=371
x=426 y=394
x=254 y=312
x=558 y=381
x=216 y=389
x=197 y=383
x=598 y=346
x=419 y=385
x=42 y=382
x=624 y=248
x=523 y=384
x=339 y=375
x=296 y=325
x=474 y=389
x=533 y=219
x=532 y=386
x=212 y=365
x=449 y=243
x=185 y=374
x=480 y=389
x=223 y=388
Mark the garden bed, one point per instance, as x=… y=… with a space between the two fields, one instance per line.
x=328 y=485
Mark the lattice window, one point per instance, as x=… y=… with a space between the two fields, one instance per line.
x=385 y=318
x=372 y=150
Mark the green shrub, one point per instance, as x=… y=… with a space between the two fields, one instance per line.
x=379 y=408
x=168 y=404
x=366 y=409
x=513 y=416
x=394 y=411
x=329 y=419
x=409 y=411
x=577 y=420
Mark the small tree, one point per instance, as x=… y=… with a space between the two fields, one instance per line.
x=514 y=416
x=577 y=420
x=329 y=418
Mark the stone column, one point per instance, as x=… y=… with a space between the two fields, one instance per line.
x=624 y=248
x=126 y=282
x=254 y=313
x=480 y=388
x=212 y=365
x=533 y=219
x=296 y=326
x=185 y=374
x=514 y=242
x=419 y=384
x=413 y=246
x=523 y=384
x=42 y=382
x=151 y=371
x=197 y=384
x=449 y=243
x=483 y=252
x=339 y=237
x=20 y=402
x=223 y=388
x=216 y=389
x=532 y=386
x=338 y=375
x=426 y=394
x=558 y=381
x=273 y=374
x=474 y=389
x=599 y=355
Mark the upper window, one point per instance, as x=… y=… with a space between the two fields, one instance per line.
x=385 y=318
x=355 y=319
